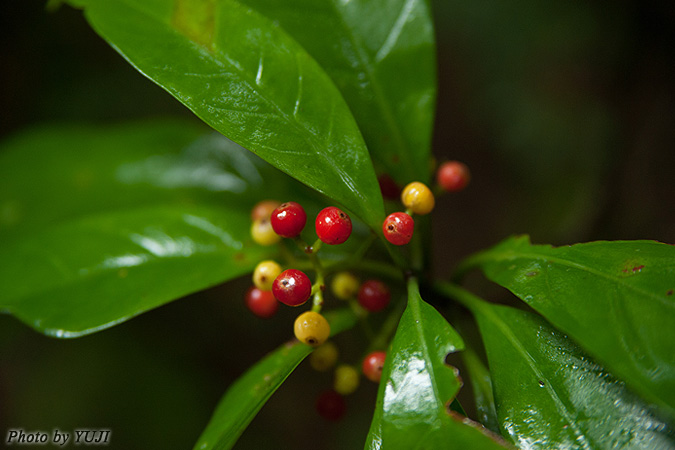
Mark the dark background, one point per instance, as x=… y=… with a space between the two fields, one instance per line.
x=564 y=111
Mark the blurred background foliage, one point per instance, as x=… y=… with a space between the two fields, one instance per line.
x=564 y=111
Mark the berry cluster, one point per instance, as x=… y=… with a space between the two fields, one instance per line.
x=398 y=227
x=273 y=284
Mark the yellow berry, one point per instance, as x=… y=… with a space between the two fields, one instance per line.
x=324 y=357
x=262 y=232
x=311 y=328
x=346 y=379
x=264 y=275
x=418 y=198
x=345 y=285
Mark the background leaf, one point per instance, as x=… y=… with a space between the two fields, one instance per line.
x=550 y=395
x=245 y=77
x=417 y=387
x=114 y=221
x=248 y=394
x=616 y=299
x=381 y=55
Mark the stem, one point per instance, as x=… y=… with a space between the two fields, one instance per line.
x=377 y=267
x=468 y=264
x=387 y=329
x=461 y=295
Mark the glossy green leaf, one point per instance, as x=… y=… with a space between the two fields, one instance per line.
x=244 y=76
x=100 y=224
x=616 y=299
x=417 y=387
x=381 y=55
x=550 y=395
x=248 y=394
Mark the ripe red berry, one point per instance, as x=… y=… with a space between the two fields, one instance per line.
x=288 y=219
x=331 y=406
x=372 y=366
x=292 y=287
x=374 y=295
x=333 y=226
x=398 y=228
x=453 y=176
x=261 y=303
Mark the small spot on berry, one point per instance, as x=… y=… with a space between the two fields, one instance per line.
x=285 y=282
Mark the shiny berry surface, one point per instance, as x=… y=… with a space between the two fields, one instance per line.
x=263 y=234
x=398 y=228
x=453 y=176
x=288 y=219
x=311 y=328
x=292 y=287
x=372 y=366
x=263 y=209
x=333 y=226
x=261 y=303
x=418 y=198
x=331 y=406
x=374 y=295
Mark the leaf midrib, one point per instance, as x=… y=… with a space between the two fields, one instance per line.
x=380 y=98
x=489 y=314
x=512 y=255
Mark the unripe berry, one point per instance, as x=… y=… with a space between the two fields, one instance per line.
x=398 y=228
x=263 y=209
x=311 y=328
x=331 y=406
x=374 y=295
x=346 y=379
x=265 y=273
x=333 y=226
x=292 y=287
x=418 y=198
x=261 y=303
x=453 y=176
x=345 y=285
x=324 y=357
x=262 y=232
x=372 y=366
x=288 y=219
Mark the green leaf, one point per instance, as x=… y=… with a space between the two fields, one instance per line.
x=417 y=387
x=384 y=65
x=246 y=396
x=245 y=77
x=616 y=299
x=101 y=224
x=481 y=382
x=550 y=395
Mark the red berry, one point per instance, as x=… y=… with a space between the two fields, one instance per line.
x=453 y=176
x=373 y=365
x=374 y=295
x=333 y=226
x=388 y=186
x=292 y=287
x=398 y=228
x=331 y=406
x=261 y=303
x=288 y=219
